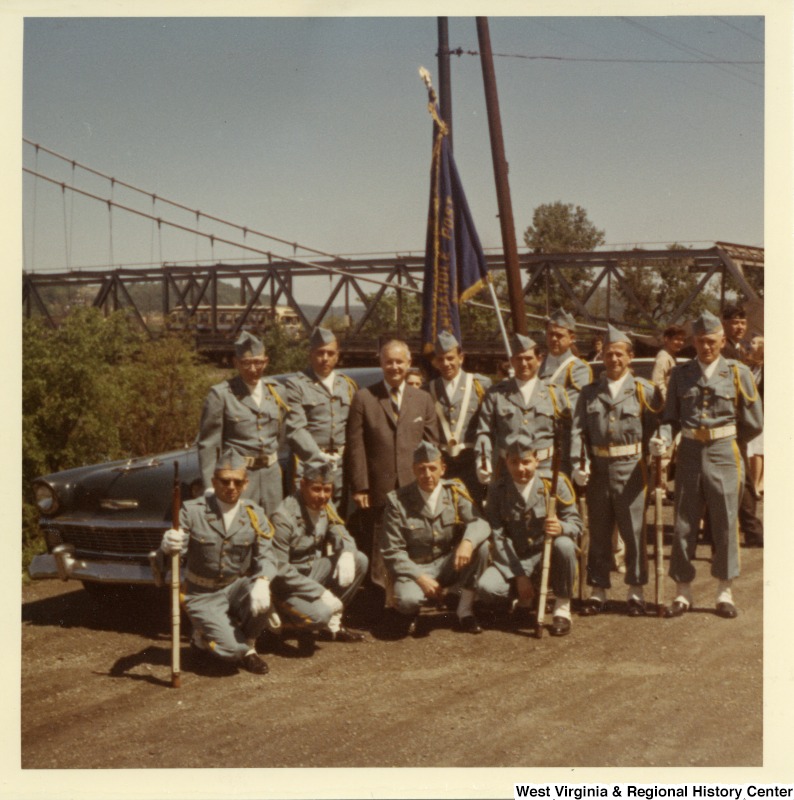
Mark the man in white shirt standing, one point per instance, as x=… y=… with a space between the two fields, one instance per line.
x=614 y=420
x=457 y=395
x=714 y=403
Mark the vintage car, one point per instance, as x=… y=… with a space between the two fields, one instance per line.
x=101 y=522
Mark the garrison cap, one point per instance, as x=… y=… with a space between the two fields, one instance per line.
x=247 y=345
x=230 y=459
x=318 y=470
x=520 y=343
x=705 y=324
x=445 y=341
x=614 y=335
x=321 y=337
x=426 y=451
x=520 y=445
x=562 y=318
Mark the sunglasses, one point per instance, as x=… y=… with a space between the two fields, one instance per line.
x=238 y=482
x=247 y=362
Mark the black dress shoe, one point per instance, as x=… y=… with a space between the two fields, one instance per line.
x=253 y=663
x=348 y=635
x=592 y=607
x=469 y=625
x=306 y=643
x=636 y=608
x=677 y=609
x=727 y=611
x=560 y=626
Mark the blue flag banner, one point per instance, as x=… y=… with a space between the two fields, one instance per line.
x=455 y=268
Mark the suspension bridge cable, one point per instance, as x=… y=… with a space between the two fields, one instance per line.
x=244 y=229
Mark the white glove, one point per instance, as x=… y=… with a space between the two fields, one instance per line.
x=332 y=601
x=345 y=569
x=209 y=492
x=581 y=476
x=173 y=541
x=657 y=446
x=485 y=475
x=260 y=596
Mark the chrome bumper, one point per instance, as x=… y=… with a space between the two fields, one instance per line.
x=62 y=564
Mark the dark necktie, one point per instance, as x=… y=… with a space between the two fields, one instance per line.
x=394 y=396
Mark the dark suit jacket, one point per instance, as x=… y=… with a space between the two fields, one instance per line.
x=378 y=450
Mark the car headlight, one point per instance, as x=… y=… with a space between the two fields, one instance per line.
x=46 y=499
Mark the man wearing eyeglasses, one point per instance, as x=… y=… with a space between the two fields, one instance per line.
x=247 y=414
x=230 y=561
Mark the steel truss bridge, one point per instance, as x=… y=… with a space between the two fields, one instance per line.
x=364 y=282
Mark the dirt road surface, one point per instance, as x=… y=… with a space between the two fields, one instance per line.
x=616 y=692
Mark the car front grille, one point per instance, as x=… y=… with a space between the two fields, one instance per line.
x=109 y=542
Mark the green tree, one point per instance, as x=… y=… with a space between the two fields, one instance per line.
x=164 y=386
x=660 y=289
x=560 y=228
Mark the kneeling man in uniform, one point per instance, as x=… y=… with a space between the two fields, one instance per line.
x=432 y=538
x=517 y=512
x=230 y=563
x=320 y=568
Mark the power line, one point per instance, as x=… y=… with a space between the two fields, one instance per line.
x=459 y=51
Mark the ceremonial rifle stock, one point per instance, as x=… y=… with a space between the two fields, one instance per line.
x=176 y=504
x=585 y=542
x=659 y=537
x=551 y=513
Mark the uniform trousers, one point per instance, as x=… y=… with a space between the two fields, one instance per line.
x=709 y=476
x=223 y=618
x=407 y=595
x=302 y=608
x=493 y=587
x=616 y=495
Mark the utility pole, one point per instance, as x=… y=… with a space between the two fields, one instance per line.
x=514 y=285
x=444 y=86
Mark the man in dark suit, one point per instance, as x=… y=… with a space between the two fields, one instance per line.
x=387 y=422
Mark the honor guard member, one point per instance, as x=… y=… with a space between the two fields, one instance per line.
x=229 y=565
x=430 y=540
x=320 y=568
x=319 y=403
x=457 y=396
x=517 y=513
x=614 y=419
x=246 y=414
x=563 y=369
x=521 y=404
x=714 y=403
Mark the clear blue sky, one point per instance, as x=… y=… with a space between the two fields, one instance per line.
x=316 y=129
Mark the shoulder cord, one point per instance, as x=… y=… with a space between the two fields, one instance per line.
x=283 y=407
x=643 y=402
x=256 y=526
x=352 y=386
x=547 y=488
x=740 y=390
x=569 y=376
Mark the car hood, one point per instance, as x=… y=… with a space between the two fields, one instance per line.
x=138 y=488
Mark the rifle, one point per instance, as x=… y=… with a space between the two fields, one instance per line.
x=584 y=546
x=176 y=504
x=659 y=537
x=551 y=513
